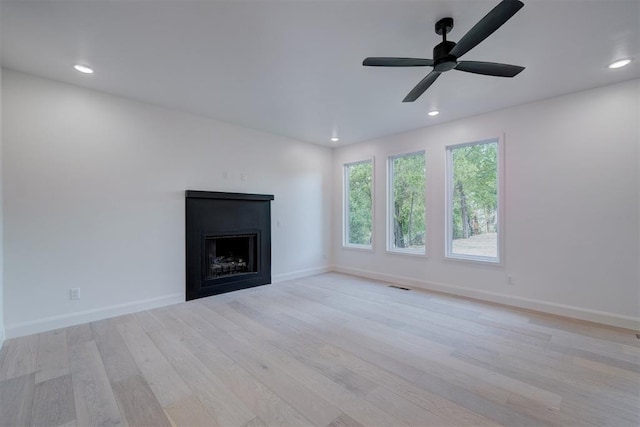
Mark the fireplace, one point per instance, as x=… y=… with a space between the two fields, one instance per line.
x=228 y=242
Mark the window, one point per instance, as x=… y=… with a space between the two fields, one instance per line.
x=358 y=203
x=473 y=197
x=406 y=217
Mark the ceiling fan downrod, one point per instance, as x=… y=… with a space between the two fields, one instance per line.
x=443 y=60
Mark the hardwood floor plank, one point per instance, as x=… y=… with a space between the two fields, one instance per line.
x=166 y=384
x=584 y=328
x=256 y=422
x=224 y=406
x=138 y=404
x=79 y=334
x=598 y=346
x=573 y=392
x=190 y=412
x=311 y=352
x=147 y=321
x=202 y=310
x=19 y=357
x=94 y=400
x=527 y=391
x=53 y=355
x=305 y=400
x=344 y=420
x=262 y=401
x=377 y=418
x=352 y=404
x=405 y=410
x=267 y=405
x=301 y=348
x=16 y=400
x=566 y=379
x=490 y=404
x=586 y=412
x=613 y=374
x=53 y=402
x=445 y=409
x=118 y=361
x=431 y=402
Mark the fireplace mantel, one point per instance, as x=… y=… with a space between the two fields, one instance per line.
x=227 y=196
x=216 y=220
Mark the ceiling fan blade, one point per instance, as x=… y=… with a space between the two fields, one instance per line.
x=422 y=86
x=486 y=26
x=489 y=68
x=397 y=62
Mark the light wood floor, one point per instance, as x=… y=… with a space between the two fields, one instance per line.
x=329 y=350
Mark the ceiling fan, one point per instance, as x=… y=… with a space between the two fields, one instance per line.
x=446 y=54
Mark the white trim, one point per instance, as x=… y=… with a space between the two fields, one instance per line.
x=277 y=278
x=410 y=252
x=603 y=317
x=1 y=335
x=362 y=248
x=62 y=321
x=473 y=259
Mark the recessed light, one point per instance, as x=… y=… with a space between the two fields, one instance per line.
x=335 y=139
x=83 y=69
x=619 y=64
x=434 y=113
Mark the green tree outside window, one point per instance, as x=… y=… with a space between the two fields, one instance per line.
x=359 y=200
x=407 y=210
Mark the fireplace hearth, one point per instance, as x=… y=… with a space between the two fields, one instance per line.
x=228 y=242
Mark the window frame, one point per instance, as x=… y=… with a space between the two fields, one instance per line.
x=345 y=204
x=389 y=210
x=484 y=260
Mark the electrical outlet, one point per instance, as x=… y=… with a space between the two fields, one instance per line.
x=74 y=293
x=225 y=175
x=243 y=176
x=510 y=281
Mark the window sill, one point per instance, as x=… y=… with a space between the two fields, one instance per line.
x=361 y=248
x=407 y=253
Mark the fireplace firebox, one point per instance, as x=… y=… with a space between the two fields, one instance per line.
x=229 y=255
x=228 y=242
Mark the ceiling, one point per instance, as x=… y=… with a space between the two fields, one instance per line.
x=295 y=67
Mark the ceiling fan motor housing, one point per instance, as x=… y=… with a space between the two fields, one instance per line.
x=443 y=61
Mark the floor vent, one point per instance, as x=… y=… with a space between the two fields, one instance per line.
x=399 y=287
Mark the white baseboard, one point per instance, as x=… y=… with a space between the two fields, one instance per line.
x=70 y=319
x=603 y=317
x=300 y=273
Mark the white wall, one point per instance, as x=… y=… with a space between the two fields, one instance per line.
x=94 y=198
x=571 y=207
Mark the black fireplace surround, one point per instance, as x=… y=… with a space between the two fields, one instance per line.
x=228 y=242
